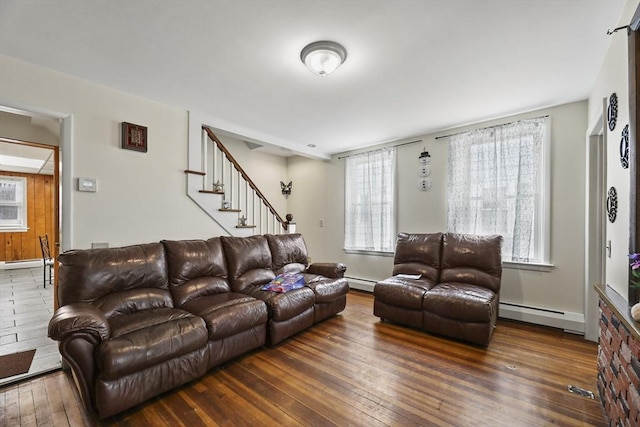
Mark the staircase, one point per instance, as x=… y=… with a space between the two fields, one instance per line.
x=220 y=187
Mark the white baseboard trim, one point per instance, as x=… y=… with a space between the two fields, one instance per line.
x=568 y=321
x=20 y=264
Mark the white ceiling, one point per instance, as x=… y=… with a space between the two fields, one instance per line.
x=413 y=67
x=25 y=159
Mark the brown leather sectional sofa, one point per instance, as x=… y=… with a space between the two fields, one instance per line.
x=458 y=292
x=137 y=321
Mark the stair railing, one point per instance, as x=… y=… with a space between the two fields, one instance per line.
x=240 y=193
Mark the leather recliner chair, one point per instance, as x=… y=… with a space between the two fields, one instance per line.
x=458 y=291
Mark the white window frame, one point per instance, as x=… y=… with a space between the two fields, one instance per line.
x=389 y=182
x=542 y=222
x=20 y=201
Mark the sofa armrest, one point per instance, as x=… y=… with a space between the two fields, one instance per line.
x=333 y=270
x=78 y=318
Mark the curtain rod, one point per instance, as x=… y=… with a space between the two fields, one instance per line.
x=371 y=151
x=489 y=127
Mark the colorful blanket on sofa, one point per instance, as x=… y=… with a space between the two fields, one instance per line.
x=285 y=282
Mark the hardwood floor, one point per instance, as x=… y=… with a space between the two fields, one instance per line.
x=355 y=370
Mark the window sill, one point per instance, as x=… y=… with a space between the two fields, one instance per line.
x=362 y=252
x=13 y=230
x=527 y=266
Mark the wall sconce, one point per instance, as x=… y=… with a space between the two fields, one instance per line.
x=286 y=188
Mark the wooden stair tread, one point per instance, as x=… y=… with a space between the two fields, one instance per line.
x=246 y=226
x=195 y=172
x=230 y=210
x=210 y=192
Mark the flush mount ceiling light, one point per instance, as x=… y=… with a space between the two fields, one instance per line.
x=323 y=57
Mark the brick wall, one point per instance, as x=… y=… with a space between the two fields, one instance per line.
x=618 y=370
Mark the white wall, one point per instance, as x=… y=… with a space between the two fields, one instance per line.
x=424 y=212
x=613 y=77
x=141 y=196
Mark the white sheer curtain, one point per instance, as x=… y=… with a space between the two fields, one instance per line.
x=369 y=201
x=494 y=186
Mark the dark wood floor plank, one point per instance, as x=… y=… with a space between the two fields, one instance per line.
x=27 y=410
x=41 y=403
x=11 y=416
x=355 y=370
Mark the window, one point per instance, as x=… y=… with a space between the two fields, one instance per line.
x=13 y=203
x=498 y=184
x=369 y=201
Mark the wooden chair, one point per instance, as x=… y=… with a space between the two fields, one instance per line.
x=47 y=261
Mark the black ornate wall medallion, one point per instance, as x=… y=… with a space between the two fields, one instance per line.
x=612 y=204
x=612 y=111
x=624 y=148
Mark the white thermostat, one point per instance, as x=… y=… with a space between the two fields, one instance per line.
x=87 y=184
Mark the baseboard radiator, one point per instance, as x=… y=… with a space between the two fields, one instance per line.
x=568 y=321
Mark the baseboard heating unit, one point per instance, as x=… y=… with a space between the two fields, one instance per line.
x=570 y=322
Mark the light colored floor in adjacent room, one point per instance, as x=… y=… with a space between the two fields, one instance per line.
x=25 y=309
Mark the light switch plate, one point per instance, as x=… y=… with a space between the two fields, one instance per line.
x=87 y=184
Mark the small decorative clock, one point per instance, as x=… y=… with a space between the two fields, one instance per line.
x=612 y=111
x=624 y=148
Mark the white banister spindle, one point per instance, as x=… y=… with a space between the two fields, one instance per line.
x=203 y=162
x=238 y=187
x=246 y=198
x=253 y=209
x=214 y=163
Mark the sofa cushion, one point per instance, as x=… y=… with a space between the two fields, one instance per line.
x=147 y=338
x=195 y=268
x=284 y=306
x=288 y=253
x=134 y=300
x=110 y=270
x=326 y=289
x=418 y=254
x=461 y=301
x=399 y=292
x=248 y=261
x=472 y=259
x=229 y=313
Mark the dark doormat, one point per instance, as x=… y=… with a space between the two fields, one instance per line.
x=16 y=363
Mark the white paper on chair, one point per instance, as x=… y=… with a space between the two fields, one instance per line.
x=409 y=276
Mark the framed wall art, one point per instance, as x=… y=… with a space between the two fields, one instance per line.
x=134 y=137
x=612 y=111
x=624 y=148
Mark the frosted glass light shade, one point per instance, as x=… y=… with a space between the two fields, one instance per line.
x=323 y=57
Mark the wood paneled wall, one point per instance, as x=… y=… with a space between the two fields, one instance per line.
x=40 y=220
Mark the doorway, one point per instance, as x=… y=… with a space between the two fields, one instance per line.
x=595 y=233
x=30 y=156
